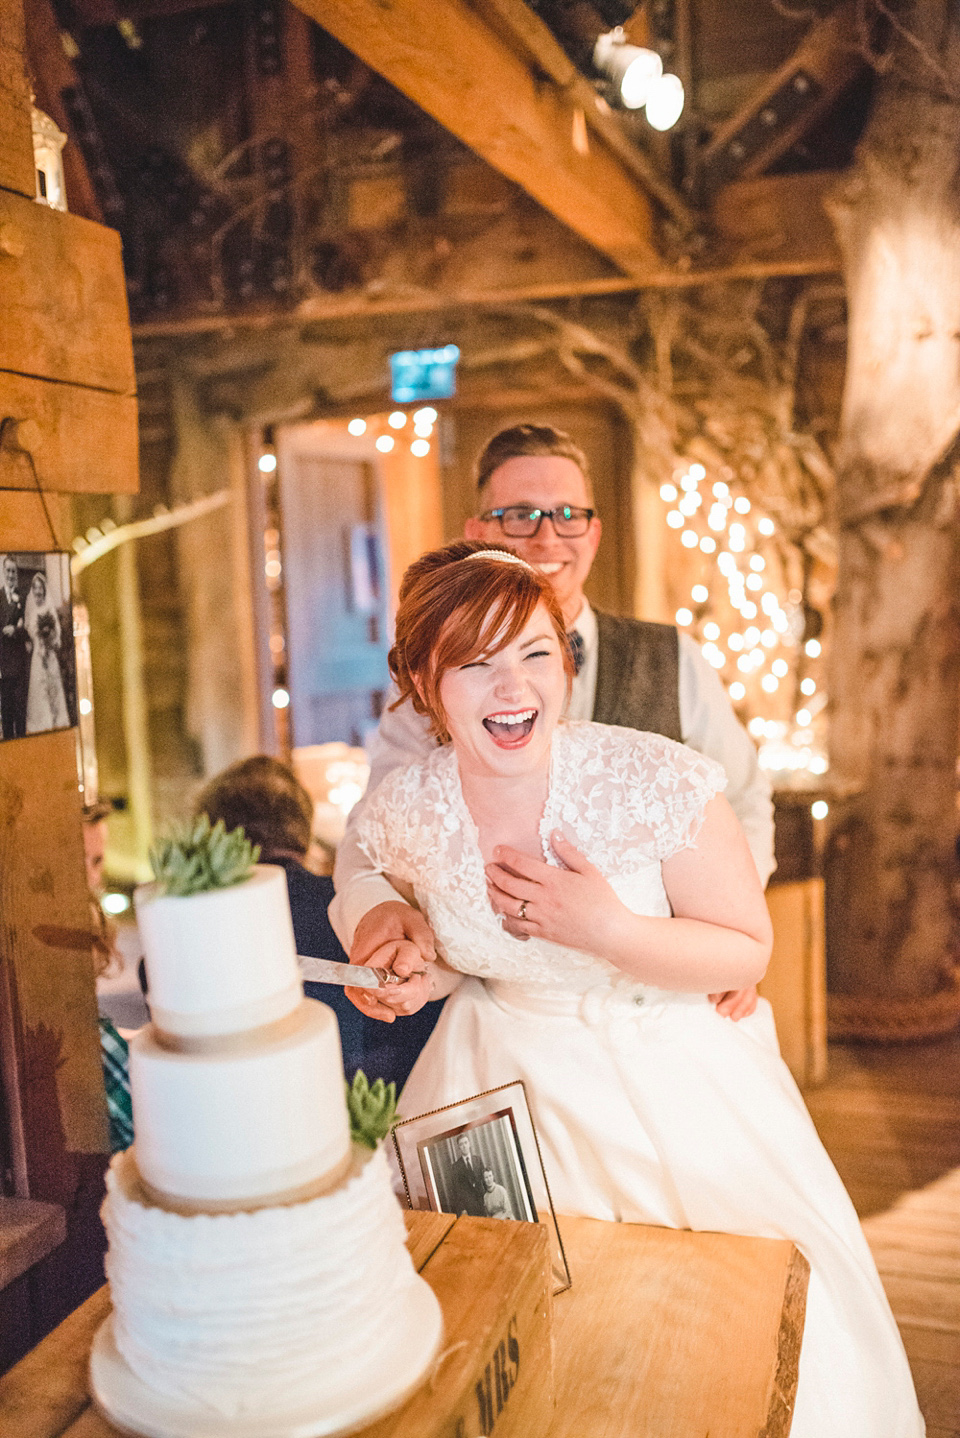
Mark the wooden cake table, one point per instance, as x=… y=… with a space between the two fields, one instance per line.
x=664 y=1334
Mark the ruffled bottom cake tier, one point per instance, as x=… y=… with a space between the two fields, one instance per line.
x=287 y=1322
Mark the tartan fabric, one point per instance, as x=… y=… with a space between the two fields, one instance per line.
x=114 y=1052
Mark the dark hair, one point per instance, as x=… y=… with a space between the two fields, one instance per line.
x=267 y=799
x=451 y=611
x=528 y=439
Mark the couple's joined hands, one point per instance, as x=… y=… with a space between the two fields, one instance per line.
x=397 y=937
x=563 y=905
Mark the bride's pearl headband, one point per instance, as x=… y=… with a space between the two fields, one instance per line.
x=500 y=554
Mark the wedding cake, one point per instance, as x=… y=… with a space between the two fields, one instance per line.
x=260 y=1279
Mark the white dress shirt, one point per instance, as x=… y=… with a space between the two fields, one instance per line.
x=707 y=723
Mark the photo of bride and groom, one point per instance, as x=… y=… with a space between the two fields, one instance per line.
x=38 y=689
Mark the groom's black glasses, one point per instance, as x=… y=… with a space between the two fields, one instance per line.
x=520 y=521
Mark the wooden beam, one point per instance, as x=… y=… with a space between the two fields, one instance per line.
x=451 y=63
x=789 y=102
x=531 y=39
x=767 y=228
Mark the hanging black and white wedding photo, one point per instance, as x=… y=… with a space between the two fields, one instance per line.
x=38 y=677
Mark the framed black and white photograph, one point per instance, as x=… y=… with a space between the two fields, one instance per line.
x=38 y=672
x=480 y=1157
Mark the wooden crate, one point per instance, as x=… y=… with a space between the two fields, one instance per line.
x=641 y=1342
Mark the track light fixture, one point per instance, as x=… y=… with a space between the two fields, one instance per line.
x=664 y=102
x=629 y=68
x=636 y=75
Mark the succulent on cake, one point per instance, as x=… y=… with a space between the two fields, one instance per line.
x=372 y=1108
x=197 y=856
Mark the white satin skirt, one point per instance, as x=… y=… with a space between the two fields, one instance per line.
x=651 y=1108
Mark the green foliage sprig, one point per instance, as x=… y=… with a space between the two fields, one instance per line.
x=372 y=1108
x=196 y=857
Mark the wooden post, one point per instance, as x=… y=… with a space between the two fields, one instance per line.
x=895 y=665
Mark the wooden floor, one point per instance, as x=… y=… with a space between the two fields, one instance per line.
x=890 y=1119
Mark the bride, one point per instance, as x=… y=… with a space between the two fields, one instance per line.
x=46 y=701
x=650 y=1107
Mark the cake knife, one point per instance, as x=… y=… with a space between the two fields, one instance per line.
x=359 y=976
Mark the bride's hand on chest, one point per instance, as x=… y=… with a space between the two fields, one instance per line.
x=574 y=905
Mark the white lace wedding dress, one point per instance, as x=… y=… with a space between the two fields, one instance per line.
x=649 y=1106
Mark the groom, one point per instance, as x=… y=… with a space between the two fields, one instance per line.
x=534 y=495
x=14 y=654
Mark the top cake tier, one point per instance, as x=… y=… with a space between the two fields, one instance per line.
x=223 y=961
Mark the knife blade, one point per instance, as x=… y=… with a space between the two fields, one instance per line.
x=359 y=976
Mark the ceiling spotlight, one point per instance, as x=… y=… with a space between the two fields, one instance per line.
x=631 y=69
x=664 y=101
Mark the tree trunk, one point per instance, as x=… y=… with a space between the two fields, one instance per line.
x=895 y=661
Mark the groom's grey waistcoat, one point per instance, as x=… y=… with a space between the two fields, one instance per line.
x=638 y=674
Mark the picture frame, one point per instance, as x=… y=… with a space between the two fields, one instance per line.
x=38 y=669
x=480 y=1156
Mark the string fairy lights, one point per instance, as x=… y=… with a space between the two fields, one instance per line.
x=737 y=595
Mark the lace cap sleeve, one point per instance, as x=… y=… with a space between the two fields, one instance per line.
x=398 y=829
x=676 y=787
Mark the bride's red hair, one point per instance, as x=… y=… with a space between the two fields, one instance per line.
x=453 y=608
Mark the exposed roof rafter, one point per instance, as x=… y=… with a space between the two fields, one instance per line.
x=471 y=78
x=787 y=104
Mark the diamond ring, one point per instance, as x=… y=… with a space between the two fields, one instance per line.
x=522 y=912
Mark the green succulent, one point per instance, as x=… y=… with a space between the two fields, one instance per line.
x=196 y=857
x=372 y=1108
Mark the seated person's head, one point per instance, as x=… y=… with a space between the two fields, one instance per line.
x=268 y=800
x=95 y=842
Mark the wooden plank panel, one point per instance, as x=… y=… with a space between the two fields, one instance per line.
x=933 y=1345
x=85 y=439
x=778 y=219
x=63 y=302
x=25 y=523
x=47 y=972
x=935 y=1254
x=922 y=1301
x=17 y=170
x=470 y=80
x=28 y=1232
x=938 y=1391
x=48 y=1388
x=645 y=1311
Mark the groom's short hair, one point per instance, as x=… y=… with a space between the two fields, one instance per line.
x=521 y=440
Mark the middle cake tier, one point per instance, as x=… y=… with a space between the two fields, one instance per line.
x=252 y=1120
